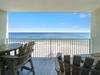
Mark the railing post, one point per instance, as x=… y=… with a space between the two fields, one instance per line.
x=50 y=48
x=89 y=46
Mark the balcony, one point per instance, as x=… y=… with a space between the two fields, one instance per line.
x=50 y=48
x=45 y=51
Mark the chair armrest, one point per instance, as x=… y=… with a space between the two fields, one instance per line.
x=9 y=57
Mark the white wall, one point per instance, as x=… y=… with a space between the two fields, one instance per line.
x=3 y=26
x=95 y=30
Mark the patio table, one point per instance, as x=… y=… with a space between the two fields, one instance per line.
x=6 y=48
x=9 y=47
x=95 y=56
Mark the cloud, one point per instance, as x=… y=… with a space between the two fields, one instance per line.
x=82 y=15
x=61 y=23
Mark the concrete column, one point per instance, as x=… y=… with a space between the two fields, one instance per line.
x=3 y=26
x=95 y=31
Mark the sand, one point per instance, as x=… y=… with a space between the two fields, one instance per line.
x=50 y=47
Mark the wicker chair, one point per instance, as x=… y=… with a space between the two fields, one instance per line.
x=60 y=63
x=76 y=62
x=87 y=64
x=66 y=63
x=24 y=56
x=96 y=70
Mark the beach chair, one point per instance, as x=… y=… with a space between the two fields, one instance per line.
x=76 y=63
x=96 y=70
x=18 y=62
x=88 y=63
x=66 y=64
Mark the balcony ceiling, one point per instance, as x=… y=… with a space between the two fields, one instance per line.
x=49 y=5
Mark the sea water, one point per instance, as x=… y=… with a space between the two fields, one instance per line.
x=31 y=35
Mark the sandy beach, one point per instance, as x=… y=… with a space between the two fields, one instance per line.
x=50 y=47
x=47 y=48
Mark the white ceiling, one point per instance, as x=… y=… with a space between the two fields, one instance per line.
x=49 y=5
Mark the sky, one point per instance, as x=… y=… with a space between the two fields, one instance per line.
x=48 y=22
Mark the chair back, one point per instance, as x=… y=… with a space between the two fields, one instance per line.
x=96 y=70
x=76 y=62
x=25 y=53
x=87 y=64
x=67 y=58
x=97 y=65
x=67 y=64
x=59 y=57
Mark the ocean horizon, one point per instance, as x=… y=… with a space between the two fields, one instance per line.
x=62 y=35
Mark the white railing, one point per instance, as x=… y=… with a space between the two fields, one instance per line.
x=50 y=47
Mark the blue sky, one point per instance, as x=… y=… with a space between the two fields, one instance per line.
x=48 y=22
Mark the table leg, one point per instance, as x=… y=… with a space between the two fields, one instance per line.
x=2 y=68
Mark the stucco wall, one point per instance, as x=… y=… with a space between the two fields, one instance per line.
x=95 y=31
x=3 y=26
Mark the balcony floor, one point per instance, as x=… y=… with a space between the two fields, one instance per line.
x=43 y=66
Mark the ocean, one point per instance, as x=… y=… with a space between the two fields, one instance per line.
x=47 y=35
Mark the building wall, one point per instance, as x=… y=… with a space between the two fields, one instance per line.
x=95 y=30
x=3 y=26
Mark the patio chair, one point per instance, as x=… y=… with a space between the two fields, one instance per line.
x=24 y=56
x=66 y=64
x=76 y=63
x=59 y=56
x=96 y=70
x=88 y=63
